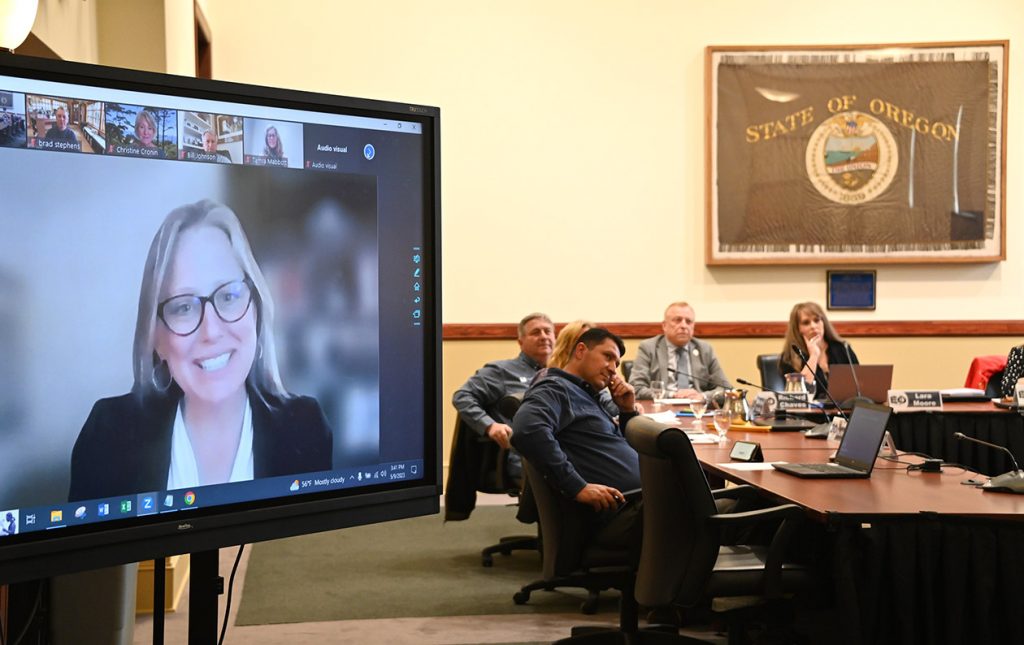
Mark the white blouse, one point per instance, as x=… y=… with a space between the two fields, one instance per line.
x=184 y=471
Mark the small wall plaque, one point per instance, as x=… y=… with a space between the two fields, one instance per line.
x=850 y=289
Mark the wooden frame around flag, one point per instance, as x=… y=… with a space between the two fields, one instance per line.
x=855 y=154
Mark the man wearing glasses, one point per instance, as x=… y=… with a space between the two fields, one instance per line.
x=208 y=405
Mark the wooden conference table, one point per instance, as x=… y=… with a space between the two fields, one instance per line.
x=910 y=557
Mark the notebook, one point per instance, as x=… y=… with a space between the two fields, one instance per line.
x=875 y=382
x=856 y=455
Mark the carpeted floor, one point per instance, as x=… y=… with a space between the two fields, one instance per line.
x=411 y=568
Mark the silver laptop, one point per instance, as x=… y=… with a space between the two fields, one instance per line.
x=858 y=450
x=875 y=382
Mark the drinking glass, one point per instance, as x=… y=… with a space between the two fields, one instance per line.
x=722 y=419
x=658 y=392
x=698 y=405
x=812 y=387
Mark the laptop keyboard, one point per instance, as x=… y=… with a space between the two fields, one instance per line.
x=820 y=468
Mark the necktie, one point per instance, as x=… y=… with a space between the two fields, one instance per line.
x=682 y=368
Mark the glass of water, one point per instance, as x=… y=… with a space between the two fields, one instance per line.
x=658 y=392
x=698 y=405
x=722 y=419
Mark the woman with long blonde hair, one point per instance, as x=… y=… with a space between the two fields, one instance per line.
x=810 y=330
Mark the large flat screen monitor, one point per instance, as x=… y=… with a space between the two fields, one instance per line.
x=219 y=310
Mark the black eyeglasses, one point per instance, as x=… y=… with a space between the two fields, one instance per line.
x=184 y=314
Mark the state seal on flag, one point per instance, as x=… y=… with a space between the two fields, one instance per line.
x=851 y=158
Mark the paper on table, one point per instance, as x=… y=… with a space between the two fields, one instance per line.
x=963 y=391
x=675 y=401
x=741 y=465
x=702 y=437
x=668 y=417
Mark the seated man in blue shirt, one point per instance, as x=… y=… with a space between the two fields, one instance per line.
x=478 y=396
x=562 y=429
x=477 y=399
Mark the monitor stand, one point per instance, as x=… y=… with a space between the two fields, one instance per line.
x=203 y=588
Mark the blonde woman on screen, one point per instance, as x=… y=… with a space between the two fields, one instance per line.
x=208 y=406
x=272 y=146
x=145 y=129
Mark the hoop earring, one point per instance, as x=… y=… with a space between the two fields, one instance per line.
x=155 y=378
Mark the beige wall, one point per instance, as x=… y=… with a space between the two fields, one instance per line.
x=132 y=34
x=151 y=35
x=179 y=42
x=573 y=140
x=68 y=28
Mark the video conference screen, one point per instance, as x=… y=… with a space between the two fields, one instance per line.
x=205 y=304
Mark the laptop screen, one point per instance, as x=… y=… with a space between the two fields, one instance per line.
x=874 y=381
x=863 y=436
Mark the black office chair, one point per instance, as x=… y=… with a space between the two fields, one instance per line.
x=768 y=367
x=568 y=559
x=527 y=511
x=994 y=386
x=477 y=464
x=683 y=562
x=627 y=369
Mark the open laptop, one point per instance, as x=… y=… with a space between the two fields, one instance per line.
x=875 y=382
x=858 y=450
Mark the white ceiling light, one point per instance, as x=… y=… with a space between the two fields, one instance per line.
x=16 y=18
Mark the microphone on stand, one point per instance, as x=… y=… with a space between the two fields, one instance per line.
x=1011 y=482
x=759 y=386
x=694 y=379
x=821 y=430
x=860 y=398
x=806 y=360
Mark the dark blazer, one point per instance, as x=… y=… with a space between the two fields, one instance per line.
x=125 y=445
x=836 y=353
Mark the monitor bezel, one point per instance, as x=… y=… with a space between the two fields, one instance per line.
x=157 y=537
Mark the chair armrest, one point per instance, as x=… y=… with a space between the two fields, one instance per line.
x=784 y=512
x=509 y=404
x=743 y=491
x=791 y=516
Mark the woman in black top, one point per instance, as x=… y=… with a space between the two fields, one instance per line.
x=810 y=330
x=1013 y=371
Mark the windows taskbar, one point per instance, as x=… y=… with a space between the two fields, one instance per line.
x=57 y=516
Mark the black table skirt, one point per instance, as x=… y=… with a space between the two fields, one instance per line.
x=929 y=580
x=931 y=433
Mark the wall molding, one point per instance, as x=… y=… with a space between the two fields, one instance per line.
x=897 y=328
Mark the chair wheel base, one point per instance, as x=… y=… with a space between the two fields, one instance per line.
x=521 y=597
x=589 y=606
